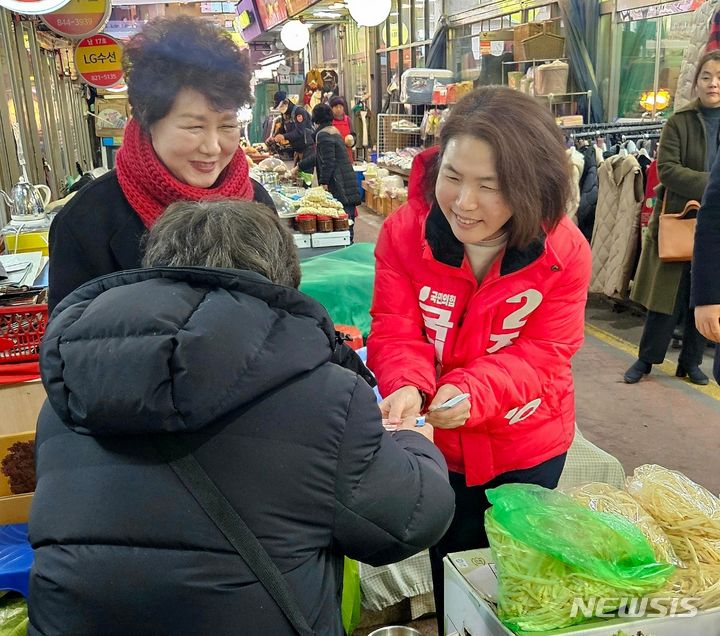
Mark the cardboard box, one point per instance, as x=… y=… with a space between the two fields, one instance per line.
x=15 y=509
x=20 y=406
x=111 y=115
x=471 y=589
x=302 y=240
x=330 y=239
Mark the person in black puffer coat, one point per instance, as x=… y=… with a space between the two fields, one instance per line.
x=334 y=170
x=588 y=193
x=236 y=362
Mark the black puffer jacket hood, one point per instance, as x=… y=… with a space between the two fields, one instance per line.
x=176 y=371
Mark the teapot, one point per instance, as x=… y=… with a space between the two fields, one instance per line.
x=27 y=201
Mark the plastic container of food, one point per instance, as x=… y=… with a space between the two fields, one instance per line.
x=324 y=223
x=307 y=223
x=341 y=222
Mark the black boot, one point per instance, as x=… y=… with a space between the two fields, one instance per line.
x=637 y=371
x=694 y=374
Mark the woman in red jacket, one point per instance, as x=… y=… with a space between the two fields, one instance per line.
x=341 y=121
x=481 y=284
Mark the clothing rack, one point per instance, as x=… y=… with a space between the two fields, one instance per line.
x=637 y=131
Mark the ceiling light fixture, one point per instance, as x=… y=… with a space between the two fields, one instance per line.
x=369 y=14
x=295 y=35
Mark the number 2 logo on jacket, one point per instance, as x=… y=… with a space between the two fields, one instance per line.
x=513 y=322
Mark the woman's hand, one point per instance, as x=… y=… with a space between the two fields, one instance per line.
x=707 y=321
x=409 y=424
x=279 y=138
x=406 y=402
x=448 y=418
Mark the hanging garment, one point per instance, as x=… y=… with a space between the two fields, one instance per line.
x=588 y=194
x=617 y=226
x=577 y=166
x=328 y=80
x=652 y=181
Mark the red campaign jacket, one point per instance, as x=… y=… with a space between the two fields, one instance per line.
x=507 y=341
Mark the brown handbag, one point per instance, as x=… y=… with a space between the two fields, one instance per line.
x=676 y=233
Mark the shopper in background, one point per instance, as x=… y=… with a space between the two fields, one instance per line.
x=298 y=129
x=688 y=146
x=342 y=122
x=480 y=288
x=186 y=80
x=706 y=257
x=293 y=442
x=334 y=170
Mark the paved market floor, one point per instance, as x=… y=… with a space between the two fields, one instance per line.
x=662 y=419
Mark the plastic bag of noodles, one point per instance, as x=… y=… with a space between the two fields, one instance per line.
x=552 y=553
x=606 y=498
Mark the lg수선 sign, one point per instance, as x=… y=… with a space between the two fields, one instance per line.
x=98 y=60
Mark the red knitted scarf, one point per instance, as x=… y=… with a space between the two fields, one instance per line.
x=150 y=188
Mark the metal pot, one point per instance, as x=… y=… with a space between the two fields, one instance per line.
x=27 y=201
x=395 y=630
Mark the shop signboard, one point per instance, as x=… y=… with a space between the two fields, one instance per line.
x=296 y=6
x=79 y=18
x=631 y=10
x=271 y=12
x=247 y=22
x=99 y=61
x=33 y=7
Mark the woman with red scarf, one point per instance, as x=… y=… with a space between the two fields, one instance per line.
x=186 y=81
x=342 y=122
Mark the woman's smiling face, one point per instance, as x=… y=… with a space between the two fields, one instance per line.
x=468 y=191
x=194 y=141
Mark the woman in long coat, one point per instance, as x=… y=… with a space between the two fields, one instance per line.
x=688 y=146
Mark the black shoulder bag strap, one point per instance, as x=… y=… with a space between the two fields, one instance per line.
x=225 y=517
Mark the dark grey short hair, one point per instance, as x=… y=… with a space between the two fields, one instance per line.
x=224 y=233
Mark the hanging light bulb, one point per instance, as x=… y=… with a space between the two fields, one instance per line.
x=369 y=12
x=295 y=35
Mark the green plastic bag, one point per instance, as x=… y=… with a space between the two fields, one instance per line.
x=343 y=282
x=350 y=605
x=13 y=616
x=555 y=558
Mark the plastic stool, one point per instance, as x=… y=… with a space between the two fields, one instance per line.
x=354 y=336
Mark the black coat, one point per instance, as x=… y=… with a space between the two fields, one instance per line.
x=588 y=194
x=706 y=255
x=99 y=233
x=298 y=130
x=333 y=166
x=240 y=367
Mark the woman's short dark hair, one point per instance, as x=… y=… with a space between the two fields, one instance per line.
x=337 y=100
x=532 y=167
x=171 y=54
x=710 y=56
x=322 y=115
x=224 y=233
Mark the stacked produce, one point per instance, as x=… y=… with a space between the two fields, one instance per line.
x=550 y=550
x=606 y=498
x=320 y=202
x=690 y=517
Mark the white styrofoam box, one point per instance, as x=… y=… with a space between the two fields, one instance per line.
x=302 y=240
x=330 y=239
x=470 y=580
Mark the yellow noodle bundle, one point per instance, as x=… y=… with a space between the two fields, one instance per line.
x=606 y=498
x=688 y=513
